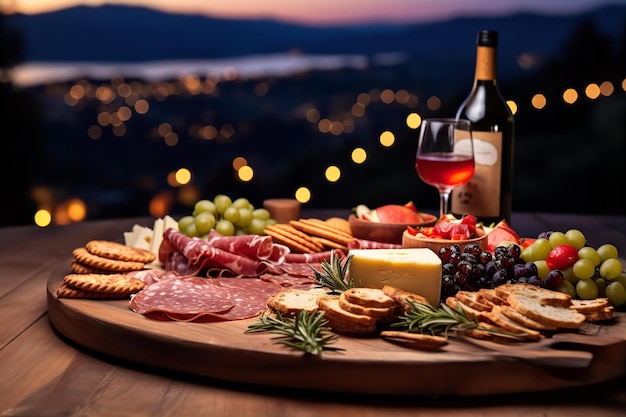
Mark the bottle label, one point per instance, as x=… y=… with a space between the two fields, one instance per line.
x=481 y=195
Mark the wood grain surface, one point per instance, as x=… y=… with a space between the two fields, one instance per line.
x=222 y=350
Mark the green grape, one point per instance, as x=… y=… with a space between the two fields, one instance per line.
x=567 y=288
x=204 y=206
x=225 y=228
x=607 y=251
x=568 y=275
x=616 y=293
x=231 y=214
x=621 y=278
x=239 y=231
x=256 y=227
x=541 y=249
x=584 y=269
x=542 y=269
x=271 y=222
x=191 y=230
x=601 y=283
x=558 y=238
x=184 y=222
x=576 y=238
x=245 y=216
x=261 y=214
x=205 y=221
x=587 y=289
x=222 y=202
x=241 y=202
x=527 y=254
x=590 y=253
x=610 y=269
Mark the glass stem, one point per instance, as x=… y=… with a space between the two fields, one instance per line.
x=443 y=203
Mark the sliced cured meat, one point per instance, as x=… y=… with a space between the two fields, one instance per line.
x=250 y=296
x=371 y=244
x=188 y=297
x=290 y=281
x=251 y=246
x=313 y=258
x=199 y=254
x=150 y=276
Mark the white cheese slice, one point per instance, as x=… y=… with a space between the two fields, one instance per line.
x=139 y=237
x=417 y=270
x=160 y=226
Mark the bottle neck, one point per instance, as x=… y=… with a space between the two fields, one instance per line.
x=485 y=63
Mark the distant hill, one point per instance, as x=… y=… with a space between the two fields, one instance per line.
x=113 y=33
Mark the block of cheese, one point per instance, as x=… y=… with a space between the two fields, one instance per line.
x=417 y=270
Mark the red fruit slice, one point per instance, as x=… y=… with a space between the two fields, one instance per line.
x=460 y=231
x=561 y=257
x=412 y=230
x=443 y=229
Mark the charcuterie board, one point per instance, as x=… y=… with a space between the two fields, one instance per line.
x=368 y=365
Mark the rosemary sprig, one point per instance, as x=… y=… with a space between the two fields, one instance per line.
x=333 y=275
x=440 y=321
x=306 y=331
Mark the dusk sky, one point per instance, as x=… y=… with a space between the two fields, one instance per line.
x=321 y=12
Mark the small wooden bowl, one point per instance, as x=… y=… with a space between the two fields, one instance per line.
x=385 y=232
x=410 y=241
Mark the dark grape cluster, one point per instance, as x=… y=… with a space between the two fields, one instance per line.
x=472 y=268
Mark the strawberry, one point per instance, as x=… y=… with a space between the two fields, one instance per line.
x=561 y=257
x=443 y=228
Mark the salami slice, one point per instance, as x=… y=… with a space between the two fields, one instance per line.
x=371 y=244
x=189 y=297
x=250 y=246
x=250 y=296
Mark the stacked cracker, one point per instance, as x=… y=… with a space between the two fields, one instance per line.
x=357 y=311
x=312 y=235
x=99 y=271
x=526 y=311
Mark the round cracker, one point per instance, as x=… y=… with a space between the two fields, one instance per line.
x=79 y=268
x=119 y=251
x=65 y=291
x=85 y=257
x=105 y=283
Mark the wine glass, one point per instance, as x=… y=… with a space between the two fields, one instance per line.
x=445 y=156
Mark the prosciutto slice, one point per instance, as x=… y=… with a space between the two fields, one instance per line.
x=371 y=244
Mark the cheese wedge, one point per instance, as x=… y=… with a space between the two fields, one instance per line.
x=417 y=270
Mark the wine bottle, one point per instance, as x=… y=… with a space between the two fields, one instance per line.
x=488 y=194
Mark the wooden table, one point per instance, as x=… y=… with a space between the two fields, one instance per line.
x=42 y=374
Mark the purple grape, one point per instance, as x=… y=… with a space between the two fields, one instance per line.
x=554 y=279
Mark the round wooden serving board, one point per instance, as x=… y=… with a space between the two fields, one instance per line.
x=367 y=365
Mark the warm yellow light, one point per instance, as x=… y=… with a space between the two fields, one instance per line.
x=336 y=128
x=76 y=210
x=312 y=115
x=183 y=176
x=512 y=105
x=42 y=218
x=333 y=173
x=592 y=91
x=413 y=120
x=402 y=96
x=94 y=132
x=245 y=173
x=538 y=101
x=358 y=109
x=209 y=132
x=359 y=155
x=160 y=204
x=570 y=96
x=164 y=129
x=387 y=139
x=324 y=125
x=364 y=99
x=171 y=139
x=303 y=195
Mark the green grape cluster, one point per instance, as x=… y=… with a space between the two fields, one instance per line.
x=226 y=216
x=589 y=272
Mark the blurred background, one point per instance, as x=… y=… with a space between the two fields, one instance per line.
x=141 y=108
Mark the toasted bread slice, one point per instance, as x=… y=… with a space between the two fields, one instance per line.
x=493 y=336
x=470 y=299
x=489 y=296
x=511 y=326
x=472 y=313
x=289 y=302
x=401 y=297
x=342 y=321
x=369 y=297
x=605 y=314
x=589 y=306
x=381 y=314
x=523 y=320
x=533 y=306
x=544 y=295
